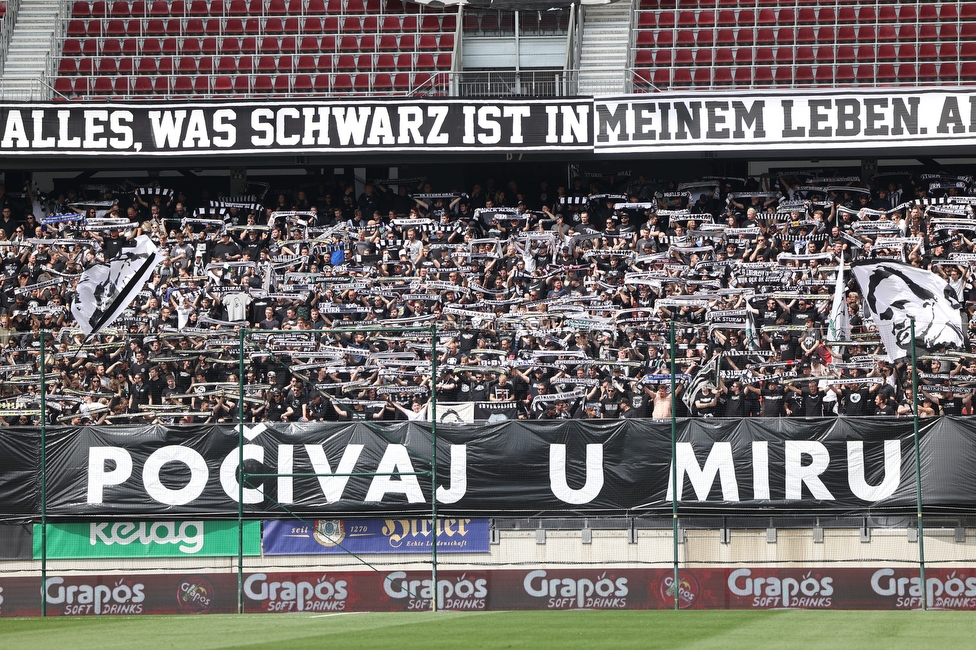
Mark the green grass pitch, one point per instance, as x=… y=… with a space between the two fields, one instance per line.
x=471 y=630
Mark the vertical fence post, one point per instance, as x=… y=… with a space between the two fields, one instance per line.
x=432 y=413
x=43 y=480
x=240 y=471
x=674 y=470
x=918 y=476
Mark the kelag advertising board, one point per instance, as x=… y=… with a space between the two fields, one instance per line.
x=504 y=589
x=106 y=539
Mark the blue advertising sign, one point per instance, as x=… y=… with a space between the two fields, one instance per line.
x=296 y=537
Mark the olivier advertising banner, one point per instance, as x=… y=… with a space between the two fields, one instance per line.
x=620 y=466
x=208 y=128
x=497 y=589
x=339 y=536
x=147 y=539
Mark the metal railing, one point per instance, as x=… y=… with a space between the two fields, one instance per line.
x=7 y=28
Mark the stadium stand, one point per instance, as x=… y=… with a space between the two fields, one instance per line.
x=565 y=292
x=262 y=48
x=932 y=43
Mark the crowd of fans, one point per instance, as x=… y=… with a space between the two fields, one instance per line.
x=550 y=301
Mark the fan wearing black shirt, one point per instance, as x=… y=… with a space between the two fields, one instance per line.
x=855 y=398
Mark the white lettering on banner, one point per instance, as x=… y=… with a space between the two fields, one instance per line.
x=325 y=595
x=461 y=593
x=594 y=475
x=958 y=590
x=760 y=470
x=228 y=474
x=804 y=463
x=396 y=458
x=199 y=128
x=579 y=591
x=98 y=598
x=459 y=476
x=798 y=474
x=168 y=131
x=333 y=486
x=719 y=462
x=770 y=591
x=124 y=533
x=175 y=454
x=856 y=474
x=99 y=477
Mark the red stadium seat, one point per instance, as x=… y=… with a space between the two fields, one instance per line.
x=266 y=64
x=249 y=45
x=302 y=84
x=824 y=75
x=703 y=57
x=342 y=83
x=191 y=46
x=949 y=73
x=784 y=75
x=685 y=56
x=305 y=63
x=67 y=67
x=159 y=8
x=324 y=63
x=723 y=57
x=205 y=65
x=80 y=9
x=321 y=83
x=165 y=65
x=742 y=77
x=864 y=75
x=183 y=85
x=111 y=47
x=222 y=84
x=274 y=26
x=147 y=66
x=803 y=75
x=885 y=73
x=804 y=54
x=762 y=76
x=807 y=35
x=262 y=84
x=245 y=65
x=382 y=82
x=844 y=75
x=722 y=76
x=886 y=52
x=682 y=77
x=845 y=54
x=702 y=77
x=309 y=44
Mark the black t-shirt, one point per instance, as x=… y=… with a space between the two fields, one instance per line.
x=772 y=401
x=856 y=401
x=734 y=405
x=813 y=404
x=502 y=393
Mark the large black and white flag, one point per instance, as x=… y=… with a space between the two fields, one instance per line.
x=895 y=293
x=106 y=289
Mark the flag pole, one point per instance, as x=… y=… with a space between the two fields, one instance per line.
x=918 y=475
x=674 y=471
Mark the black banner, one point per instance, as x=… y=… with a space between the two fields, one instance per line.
x=297 y=127
x=623 y=466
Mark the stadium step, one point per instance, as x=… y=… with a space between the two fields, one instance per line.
x=28 y=54
x=604 y=49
